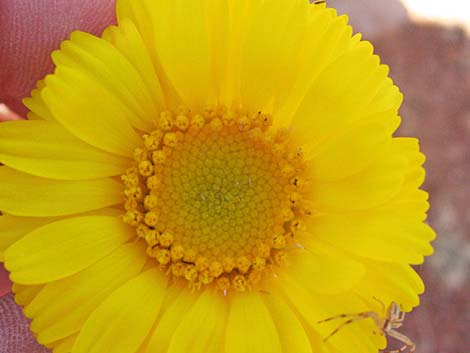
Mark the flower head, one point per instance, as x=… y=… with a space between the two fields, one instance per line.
x=212 y=176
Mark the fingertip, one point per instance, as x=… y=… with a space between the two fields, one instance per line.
x=31 y=30
x=6 y=114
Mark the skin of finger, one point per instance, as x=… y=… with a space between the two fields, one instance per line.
x=31 y=30
x=6 y=114
x=5 y=284
x=15 y=336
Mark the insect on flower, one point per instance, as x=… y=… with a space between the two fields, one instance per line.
x=387 y=325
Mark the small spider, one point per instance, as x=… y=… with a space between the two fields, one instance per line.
x=387 y=325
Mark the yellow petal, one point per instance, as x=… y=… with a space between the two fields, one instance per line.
x=35 y=103
x=335 y=98
x=85 y=290
x=127 y=39
x=291 y=332
x=376 y=236
x=14 y=228
x=25 y=195
x=349 y=152
x=414 y=177
x=79 y=102
x=218 y=32
x=326 y=38
x=121 y=323
x=390 y=282
x=65 y=346
x=98 y=58
x=46 y=149
x=140 y=13
x=161 y=336
x=25 y=294
x=410 y=205
x=63 y=248
x=371 y=187
x=201 y=329
x=250 y=327
x=271 y=38
x=239 y=17
x=323 y=269
x=178 y=35
x=181 y=39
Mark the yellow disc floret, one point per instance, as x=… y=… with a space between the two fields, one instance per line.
x=216 y=195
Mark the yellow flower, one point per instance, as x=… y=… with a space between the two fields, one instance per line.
x=212 y=176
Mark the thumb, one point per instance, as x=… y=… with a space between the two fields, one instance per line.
x=6 y=114
x=15 y=336
x=31 y=30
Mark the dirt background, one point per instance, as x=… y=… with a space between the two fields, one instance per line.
x=431 y=65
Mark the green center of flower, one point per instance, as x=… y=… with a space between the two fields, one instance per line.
x=216 y=196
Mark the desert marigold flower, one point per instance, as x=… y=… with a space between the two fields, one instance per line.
x=212 y=176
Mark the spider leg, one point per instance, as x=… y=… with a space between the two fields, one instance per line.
x=363 y=314
x=352 y=318
x=382 y=305
x=401 y=317
x=402 y=338
x=398 y=322
x=399 y=350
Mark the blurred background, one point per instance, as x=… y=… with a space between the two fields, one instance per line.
x=426 y=43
